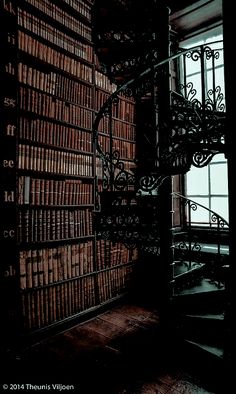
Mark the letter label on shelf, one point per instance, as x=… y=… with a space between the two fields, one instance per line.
x=8 y=163
x=9 y=233
x=9 y=102
x=11 y=130
x=9 y=196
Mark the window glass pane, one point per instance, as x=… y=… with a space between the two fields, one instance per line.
x=219 y=60
x=215 y=34
x=219 y=55
x=220 y=157
x=196 y=82
x=219 y=179
x=220 y=206
x=200 y=215
x=215 y=174
x=220 y=80
x=192 y=66
x=219 y=86
x=197 y=181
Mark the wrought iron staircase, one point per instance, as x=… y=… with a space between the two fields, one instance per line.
x=134 y=205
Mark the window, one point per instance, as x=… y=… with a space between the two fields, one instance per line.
x=207 y=186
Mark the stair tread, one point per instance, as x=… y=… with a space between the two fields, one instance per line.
x=182 y=268
x=205 y=287
x=207 y=247
x=210 y=316
x=211 y=349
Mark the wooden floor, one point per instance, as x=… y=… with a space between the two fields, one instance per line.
x=120 y=351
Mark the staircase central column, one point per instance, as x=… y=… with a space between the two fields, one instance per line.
x=163 y=121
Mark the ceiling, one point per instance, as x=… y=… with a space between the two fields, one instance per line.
x=188 y=16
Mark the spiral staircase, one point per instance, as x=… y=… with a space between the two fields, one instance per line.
x=136 y=206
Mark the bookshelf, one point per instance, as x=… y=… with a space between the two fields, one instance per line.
x=56 y=267
x=9 y=292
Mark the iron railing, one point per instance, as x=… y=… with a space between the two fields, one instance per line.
x=194 y=125
x=194 y=130
x=201 y=248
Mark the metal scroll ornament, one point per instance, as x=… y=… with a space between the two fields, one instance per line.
x=197 y=130
x=129 y=219
x=125 y=35
x=115 y=177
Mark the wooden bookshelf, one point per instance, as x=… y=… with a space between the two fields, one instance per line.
x=56 y=267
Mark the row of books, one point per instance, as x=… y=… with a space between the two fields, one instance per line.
x=53 y=11
x=40 y=267
x=45 y=105
x=121 y=109
x=62 y=269
x=40 y=225
x=111 y=254
x=10 y=68
x=125 y=148
x=54 y=35
x=53 y=192
x=120 y=129
x=56 y=84
x=44 y=306
x=114 y=282
x=103 y=82
x=124 y=110
x=38 y=158
x=46 y=132
x=81 y=7
x=62 y=61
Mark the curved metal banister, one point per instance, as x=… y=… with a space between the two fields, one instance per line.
x=189 y=143
x=186 y=128
x=219 y=217
x=136 y=79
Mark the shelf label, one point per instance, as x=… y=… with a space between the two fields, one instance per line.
x=9 y=196
x=9 y=272
x=10 y=130
x=8 y=163
x=9 y=102
x=9 y=233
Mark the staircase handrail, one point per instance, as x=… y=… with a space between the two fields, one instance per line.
x=114 y=160
x=127 y=84
x=222 y=221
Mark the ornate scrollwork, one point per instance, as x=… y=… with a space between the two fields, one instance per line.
x=193 y=131
x=211 y=53
x=218 y=220
x=125 y=36
x=188 y=92
x=114 y=174
x=194 y=55
x=201 y=159
x=127 y=218
x=198 y=130
x=189 y=246
x=148 y=183
x=189 y=251
x=214 y=101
